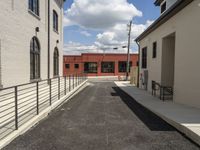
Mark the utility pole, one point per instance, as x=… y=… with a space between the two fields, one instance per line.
x=128 y=52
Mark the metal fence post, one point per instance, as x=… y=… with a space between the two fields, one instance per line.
x=65 y=86
x=81 y=78
x=16 y=109
x=76 y=80
x=69 y=83
x=37 y=89
x=58 y=87
x=73 y=81
x=50 y=92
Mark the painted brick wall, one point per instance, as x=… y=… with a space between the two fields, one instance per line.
x=17 y=28
x=98 y=58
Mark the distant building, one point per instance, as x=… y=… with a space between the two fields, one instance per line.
x=94 y=64
x=169 y=50
x=31 y=37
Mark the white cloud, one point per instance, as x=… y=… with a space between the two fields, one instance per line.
x=108 y=17
x=118 y=35
x=100 y=14
x=85 y=33
x=73 y=48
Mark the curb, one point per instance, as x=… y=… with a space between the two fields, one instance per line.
x=184 y=130
x=35 y=120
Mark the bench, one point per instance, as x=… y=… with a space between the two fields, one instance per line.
x=165 y=91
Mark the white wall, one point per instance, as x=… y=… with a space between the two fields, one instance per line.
x=168 y=56
x=186 y=76
x=170 y=3
x=56 y=36
x=17 y=27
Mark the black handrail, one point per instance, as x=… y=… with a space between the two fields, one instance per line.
x=33 y=99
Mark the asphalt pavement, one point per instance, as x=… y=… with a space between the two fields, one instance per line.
x=102 y=117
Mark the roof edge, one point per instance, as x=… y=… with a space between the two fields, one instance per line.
x=177 y=7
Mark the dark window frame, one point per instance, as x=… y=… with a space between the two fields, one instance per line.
x=122 y=66
x=144 y=58
x=34 y=59
x=67 y=66
x=163 y=7
x=34 y=7
x=154 y=51
x=76 y=66
x=105 y=67
x=91 y=67
x=55 y=21
x=56 y=62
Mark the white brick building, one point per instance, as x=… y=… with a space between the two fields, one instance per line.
x=23 y=21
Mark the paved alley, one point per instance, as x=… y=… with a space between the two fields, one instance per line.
x=102 y=117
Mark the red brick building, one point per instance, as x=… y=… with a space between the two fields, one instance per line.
x=95 y=64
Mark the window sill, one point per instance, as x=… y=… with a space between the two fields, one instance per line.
x=56 y=76
x=55 y=31
x=33 y=14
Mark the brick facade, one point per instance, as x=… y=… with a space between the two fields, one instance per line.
x=69 y=63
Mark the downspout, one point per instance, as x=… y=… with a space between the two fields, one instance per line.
x=138 y=80
x=48 y=47
x=1 y=86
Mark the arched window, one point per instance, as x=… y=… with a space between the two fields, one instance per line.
x=55 y=21
x=56 y=62
x=34 y=58
x=34 y=6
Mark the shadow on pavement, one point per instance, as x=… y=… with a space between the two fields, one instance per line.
x=151 y=120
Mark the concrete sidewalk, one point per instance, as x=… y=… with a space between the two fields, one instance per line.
x=184 y=118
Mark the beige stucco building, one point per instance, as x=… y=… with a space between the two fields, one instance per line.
x=169 y=51
x=31 y=40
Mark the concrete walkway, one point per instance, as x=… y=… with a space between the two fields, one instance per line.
x=184 y=118
x=102 y=117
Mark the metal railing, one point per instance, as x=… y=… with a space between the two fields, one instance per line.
x=166 y=92
x=18 y=104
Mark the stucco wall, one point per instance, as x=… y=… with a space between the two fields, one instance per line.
x=185 y=25
x=17 y=27
x=168 y=55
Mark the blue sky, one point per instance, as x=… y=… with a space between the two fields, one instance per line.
x=83 y=34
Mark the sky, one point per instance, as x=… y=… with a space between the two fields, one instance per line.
x=101 y=25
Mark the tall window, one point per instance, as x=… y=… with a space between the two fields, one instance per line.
x=55 y=21
x=144 y=58
x=56 y=62
x=34 y=59
x=108 y=67
x=90 y=67
x=154 y=50
x=34 y=6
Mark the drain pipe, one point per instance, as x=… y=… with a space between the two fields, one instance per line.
x=48 y=47
x=138 y=80
x=1 y=86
